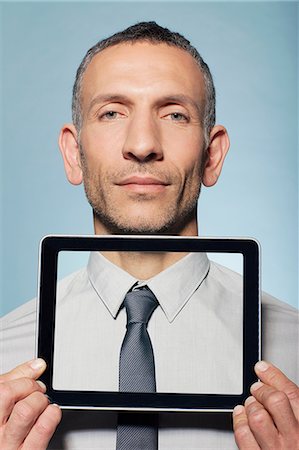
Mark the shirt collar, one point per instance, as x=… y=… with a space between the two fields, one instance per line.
x=172 y=287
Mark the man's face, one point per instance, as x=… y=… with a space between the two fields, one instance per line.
x=142 y=141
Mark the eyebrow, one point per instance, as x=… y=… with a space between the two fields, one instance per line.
x=183 y=99
x=111 y=98
x=176 y=99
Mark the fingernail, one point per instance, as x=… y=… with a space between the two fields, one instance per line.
x=249 y=400
x=256 y=386
x=37 y=364
x=55 y=404
x=261 y=366
x=42 y=385
x=238 y=410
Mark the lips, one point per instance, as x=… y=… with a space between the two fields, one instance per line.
x=143 y=185
x=142 y=181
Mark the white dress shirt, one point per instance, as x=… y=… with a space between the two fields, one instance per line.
x=194 y=295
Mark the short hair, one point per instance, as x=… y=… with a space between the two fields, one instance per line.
x=155 y=34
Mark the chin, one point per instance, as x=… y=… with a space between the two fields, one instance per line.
x=138 y=229
x=145 y=222
x=166 y=228
x=134 y=226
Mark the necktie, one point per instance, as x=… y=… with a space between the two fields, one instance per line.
x=137 y=372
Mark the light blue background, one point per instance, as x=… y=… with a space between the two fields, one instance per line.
x=251 y=49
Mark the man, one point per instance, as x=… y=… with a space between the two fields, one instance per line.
x=143 y=140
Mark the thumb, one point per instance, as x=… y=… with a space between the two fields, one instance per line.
x=30 y=369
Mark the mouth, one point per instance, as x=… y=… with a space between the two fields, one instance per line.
x=143 y=184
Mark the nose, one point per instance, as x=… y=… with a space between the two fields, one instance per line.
x=142 y=143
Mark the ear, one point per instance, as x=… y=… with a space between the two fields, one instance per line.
x=216 y=153
x=70 y=151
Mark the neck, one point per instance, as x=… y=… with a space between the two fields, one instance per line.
x=145 y=265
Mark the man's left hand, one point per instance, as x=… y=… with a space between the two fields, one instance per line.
x=269 y=418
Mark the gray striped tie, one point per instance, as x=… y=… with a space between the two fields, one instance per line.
x=137 y=372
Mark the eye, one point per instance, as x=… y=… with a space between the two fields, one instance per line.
x=178 y=117
x=109 y=115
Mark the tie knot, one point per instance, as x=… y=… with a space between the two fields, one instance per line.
x=140 y=305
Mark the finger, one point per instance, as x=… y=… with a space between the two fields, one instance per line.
x=31 y=369
x=278 y=405
x=22 y=419
x=261 y=425
x=272 y=376
x=43 y=429
x=15 y=390
x=243 y=435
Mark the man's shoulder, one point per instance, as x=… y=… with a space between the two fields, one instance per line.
x=277 y=308
x=26 y=313
x=75 y=283
x=271 y=306
x=279 y=320
x=19 y=316
x=18 y=327
x=17 y=336
x=226 y=277
x=280 y=325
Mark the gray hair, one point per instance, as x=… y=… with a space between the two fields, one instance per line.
x=153 y=33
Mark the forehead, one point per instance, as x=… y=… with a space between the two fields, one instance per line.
x=143 y=68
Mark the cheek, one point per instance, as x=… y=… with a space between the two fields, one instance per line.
x=101 y=146
x=188 y=160
x=184 y=146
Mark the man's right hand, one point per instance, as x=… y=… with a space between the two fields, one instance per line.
x=27 y=420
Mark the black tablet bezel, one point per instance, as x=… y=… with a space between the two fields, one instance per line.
x=49 y=250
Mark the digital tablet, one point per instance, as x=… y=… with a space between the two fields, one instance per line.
x=205 y=332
